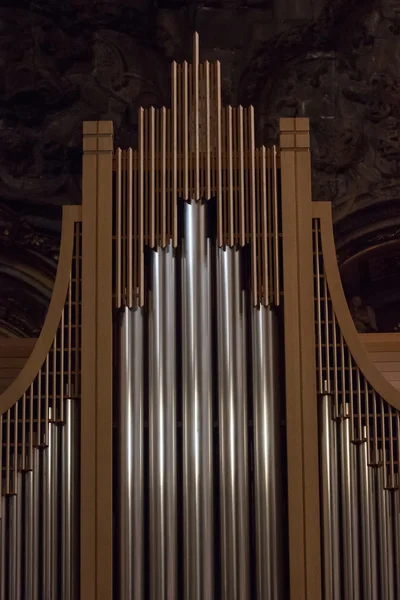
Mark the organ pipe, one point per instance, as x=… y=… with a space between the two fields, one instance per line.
x=267 y=459
x=330 y=513
x=31 y=501
x=70 y=501
x=131 y=493
x=349 y=511
x=197 y=404
x=233 y=419
x=368 y=532
x=162 y=427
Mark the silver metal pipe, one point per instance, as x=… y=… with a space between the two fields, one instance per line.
x=267 y=466
x=384 y=526
x=330 y=508
x=197 y=405
x=31 y=527
x=15 y=542
x=162 y=427
x=396 y=532
x=131 y=545
x=349 y=522
x=368 y=532
x=390 y=541
x=233 y=427
x=50 y=504
x=3 y=563
x=70 y=501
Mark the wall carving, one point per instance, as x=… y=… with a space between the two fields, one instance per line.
x=337 y=62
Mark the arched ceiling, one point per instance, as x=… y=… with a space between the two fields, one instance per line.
x=337 y=62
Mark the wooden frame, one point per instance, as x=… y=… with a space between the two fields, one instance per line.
x=71 y=214
x=301 y=392
x=96 y=397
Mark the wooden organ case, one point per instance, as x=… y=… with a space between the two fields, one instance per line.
x=143 y=452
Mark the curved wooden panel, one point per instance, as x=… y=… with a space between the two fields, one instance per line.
x=15 y=391
x=323 y=211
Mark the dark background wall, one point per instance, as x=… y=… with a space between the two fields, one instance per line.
x=62 y=62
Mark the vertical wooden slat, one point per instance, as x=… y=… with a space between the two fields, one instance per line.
x=174 y=155
x=335 y=366
x=264 y=229
x=219 y=155
x=14 y=459
x=46 y=404
x=253 y=206
x=242 y=199
x=96 y=389
x=130 y=227
x=69 y=337
x=23 y=433
x=319 y=320
x=231 y=222
x=207 y=128
x=62 y=365
x=196 y=61
x=152 y=178
x=118 y=227
x=31 y=419
x=141 y=206
x=276 y=225
x=7 y=488
x=299 y=320
x=185 y=131
x=163 y=177
x=54 y=383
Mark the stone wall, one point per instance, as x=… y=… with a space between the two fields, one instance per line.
x=64 y=62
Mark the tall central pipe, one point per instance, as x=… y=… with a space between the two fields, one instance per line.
x=234 y=494
x=197 y=404
x=162 y=427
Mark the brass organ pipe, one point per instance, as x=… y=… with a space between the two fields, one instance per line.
x=252 y=166
x=233 y=435
x=162 y=427
x=70 y=502
x=368 y=519
x=330 y=516
x=197 y=405
x=130 y=526
x=349 y=512
x=267 y=464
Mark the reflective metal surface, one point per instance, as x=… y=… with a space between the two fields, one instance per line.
x=233 y=427
x=349 y=512
x=330 y=508
x=368 y=530
x=31 y=501
x=130 y=422
x=267 y=461
x=70 y=501
x=162 y=426
x=197 y=405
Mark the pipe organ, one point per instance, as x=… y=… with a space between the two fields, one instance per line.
x=198 y=418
